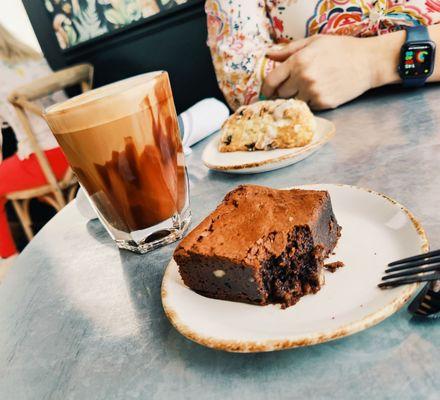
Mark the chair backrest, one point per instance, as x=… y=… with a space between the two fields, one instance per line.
x=22 y=99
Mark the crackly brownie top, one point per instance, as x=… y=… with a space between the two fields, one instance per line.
x=250 y=214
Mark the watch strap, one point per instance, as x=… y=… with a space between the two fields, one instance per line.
x=414 y=82
x=417 y=33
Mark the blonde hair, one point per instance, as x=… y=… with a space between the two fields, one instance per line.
x=14 y=50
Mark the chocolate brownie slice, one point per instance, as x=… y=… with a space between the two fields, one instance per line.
x=260 y=246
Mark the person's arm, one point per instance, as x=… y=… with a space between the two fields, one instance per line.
x=239 y=34
x=327 y=71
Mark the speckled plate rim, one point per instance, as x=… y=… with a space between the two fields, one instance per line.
x=307 y=340
x=296 y=152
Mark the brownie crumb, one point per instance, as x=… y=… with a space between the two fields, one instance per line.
x=332 y=267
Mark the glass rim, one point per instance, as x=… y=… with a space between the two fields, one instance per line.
x=102 y=93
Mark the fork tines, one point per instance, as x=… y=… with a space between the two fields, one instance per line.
x=435 y=253
x=422 y=268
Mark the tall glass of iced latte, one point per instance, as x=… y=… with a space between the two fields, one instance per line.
x=122 y=141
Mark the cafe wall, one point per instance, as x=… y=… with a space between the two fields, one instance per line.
x=77 y=21
x=122 y=38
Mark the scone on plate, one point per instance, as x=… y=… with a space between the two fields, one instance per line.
x=267 y=125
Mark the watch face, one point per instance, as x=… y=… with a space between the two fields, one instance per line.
x=417 y=60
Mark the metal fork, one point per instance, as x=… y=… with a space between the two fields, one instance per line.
x=422 y=268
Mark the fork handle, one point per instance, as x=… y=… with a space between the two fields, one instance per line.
x=413 y=308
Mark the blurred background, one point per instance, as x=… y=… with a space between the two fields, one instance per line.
x=13 y=16
x=119 y=38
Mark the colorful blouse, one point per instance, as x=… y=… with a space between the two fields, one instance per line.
x=241 y=31
x=13 y=75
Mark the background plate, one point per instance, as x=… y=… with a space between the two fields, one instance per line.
x=375 y=231
x=250 y=162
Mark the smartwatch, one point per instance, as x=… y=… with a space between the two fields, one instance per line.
x=417 y=57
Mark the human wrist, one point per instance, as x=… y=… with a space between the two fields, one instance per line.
x=384 y=58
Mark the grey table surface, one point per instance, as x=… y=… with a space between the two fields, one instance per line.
x=81 y=320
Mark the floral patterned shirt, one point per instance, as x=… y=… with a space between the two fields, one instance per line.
x=241 y=31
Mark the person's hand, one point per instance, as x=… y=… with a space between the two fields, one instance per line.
x=323 y=70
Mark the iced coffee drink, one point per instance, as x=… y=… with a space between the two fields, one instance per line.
x=123 y=142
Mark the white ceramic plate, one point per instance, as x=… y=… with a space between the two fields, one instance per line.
x=250 y=162
x=375 y=231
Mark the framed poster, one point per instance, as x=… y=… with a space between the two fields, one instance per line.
x=78 y=21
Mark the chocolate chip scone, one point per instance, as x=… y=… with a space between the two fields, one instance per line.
x=267 y=125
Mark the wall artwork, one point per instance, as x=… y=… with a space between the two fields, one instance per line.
x=77 y=21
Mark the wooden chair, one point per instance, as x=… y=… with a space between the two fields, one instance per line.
x=55 y=193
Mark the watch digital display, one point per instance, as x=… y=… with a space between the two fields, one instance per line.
x=417 y=60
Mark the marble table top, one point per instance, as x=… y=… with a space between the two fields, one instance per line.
x=81 y=320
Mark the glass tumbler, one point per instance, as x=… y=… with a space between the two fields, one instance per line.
x=122 y=141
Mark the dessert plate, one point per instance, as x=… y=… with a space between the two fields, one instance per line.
x=250 y=162
x=375 y=231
